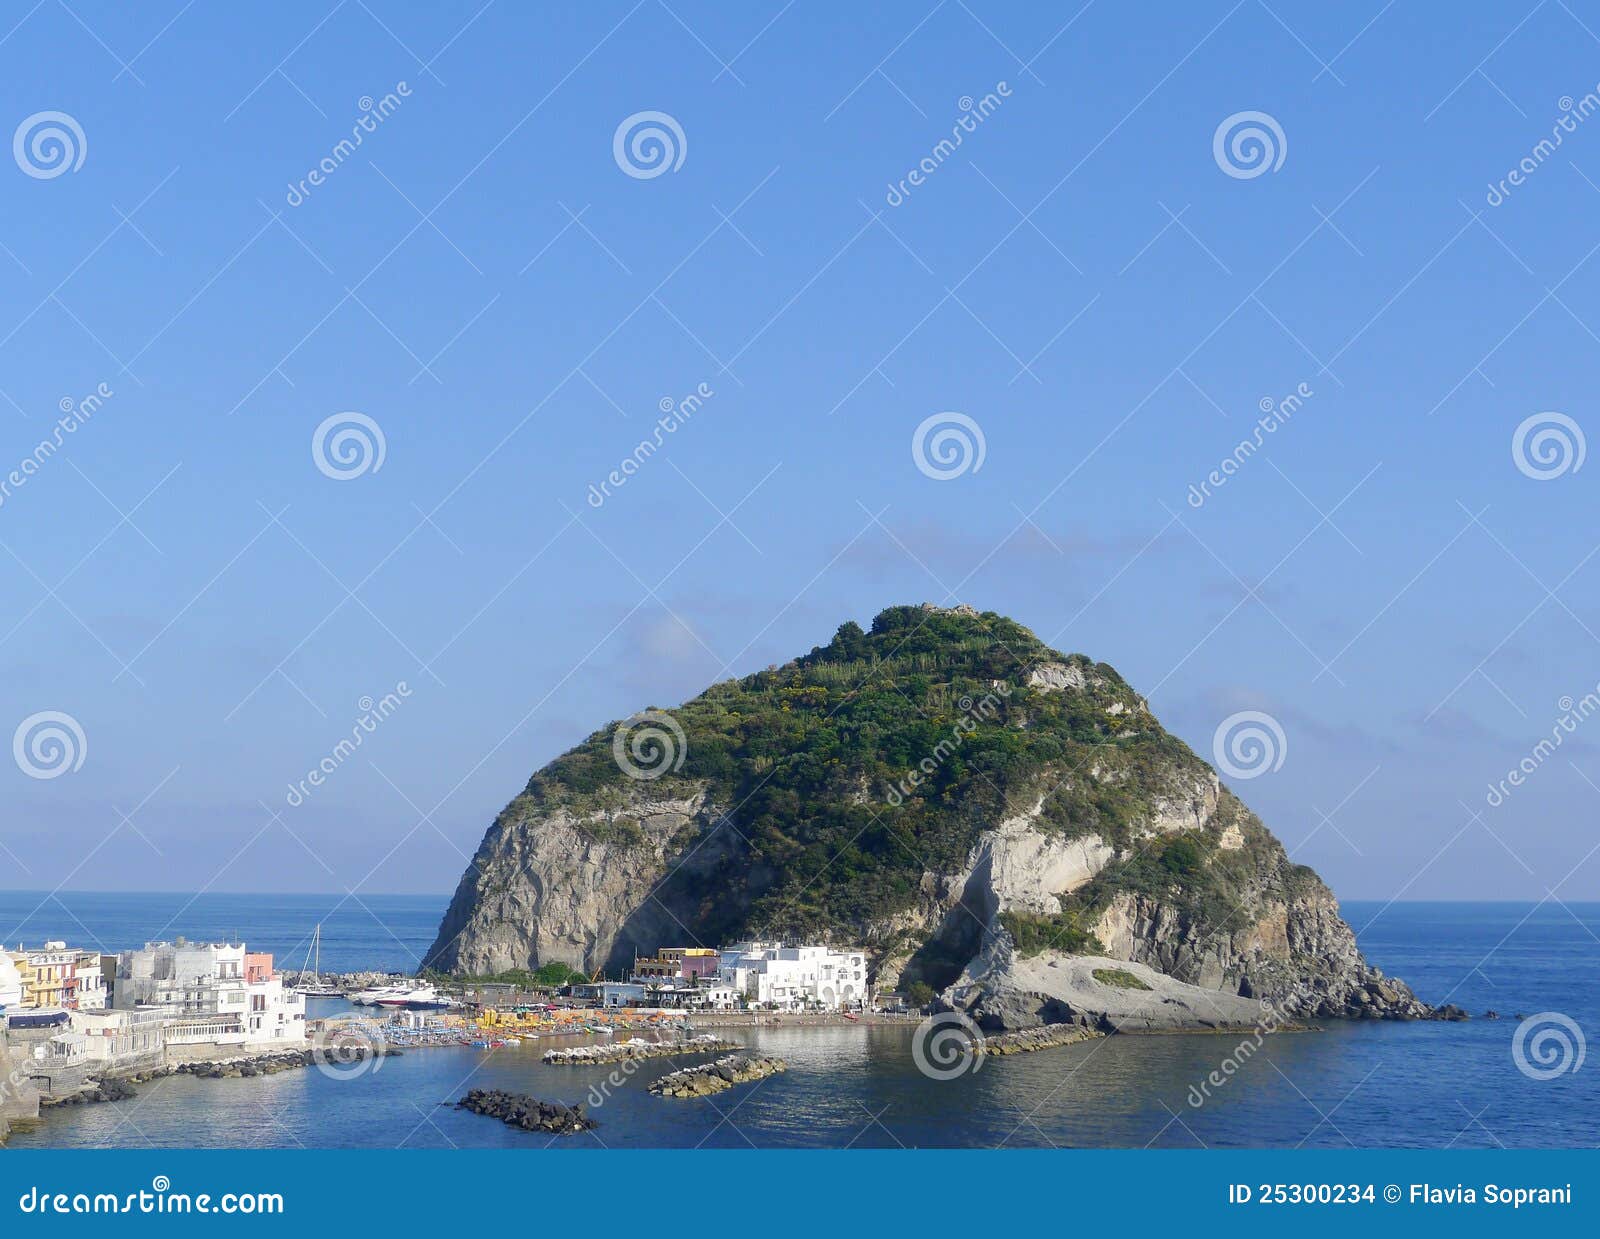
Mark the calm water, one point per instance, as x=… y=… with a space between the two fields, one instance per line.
x=1367 y=1085
x=384 y=932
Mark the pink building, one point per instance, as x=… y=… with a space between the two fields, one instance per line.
x=257 y=968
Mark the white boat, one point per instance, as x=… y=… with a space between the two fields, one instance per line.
x=378 y=995
x=316 y=987
x=421 y=998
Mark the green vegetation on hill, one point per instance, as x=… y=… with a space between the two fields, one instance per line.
x=853 y=770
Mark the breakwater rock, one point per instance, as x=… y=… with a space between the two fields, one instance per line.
x=336 y=1056
x=715 y=1077
x=637 y=1047
x=1046 y=1037
x=528 y=1113
x=112 y=1088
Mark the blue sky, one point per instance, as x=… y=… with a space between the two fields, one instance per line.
x=1081 y=278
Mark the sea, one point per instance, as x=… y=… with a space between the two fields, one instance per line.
x=1518 y=1081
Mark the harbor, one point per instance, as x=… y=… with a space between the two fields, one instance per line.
x=80 y=1026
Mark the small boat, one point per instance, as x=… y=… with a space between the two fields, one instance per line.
x=851 y=1016
x=316 y=987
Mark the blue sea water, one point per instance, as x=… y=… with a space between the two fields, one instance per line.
x=1432 y=1085
x=388 y=933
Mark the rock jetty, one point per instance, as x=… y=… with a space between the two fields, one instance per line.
x=528 y=1113
x=637 y=1047
x=1046 y=1037
x=121 y=1087
x=716 y=1077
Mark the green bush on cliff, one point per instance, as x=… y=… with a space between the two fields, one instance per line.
x=1034 y=935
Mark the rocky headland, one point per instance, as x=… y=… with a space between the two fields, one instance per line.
x=1003 y=823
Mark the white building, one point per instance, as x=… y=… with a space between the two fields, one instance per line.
x=10 y=983
x=92 y=994
x=792 y=978
x=211 y=984
x=114 y=1036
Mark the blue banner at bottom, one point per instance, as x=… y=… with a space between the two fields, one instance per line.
x=796 y=1192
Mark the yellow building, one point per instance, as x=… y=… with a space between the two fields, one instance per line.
x=678 y=963
x=49 y=975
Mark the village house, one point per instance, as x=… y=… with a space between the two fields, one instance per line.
x=58 y=976
x=793 y=978
x=678 y=963
x=211 y=992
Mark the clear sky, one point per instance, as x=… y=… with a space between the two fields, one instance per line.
x=1107 y=297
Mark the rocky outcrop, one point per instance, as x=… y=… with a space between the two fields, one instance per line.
x=716 y=1077
x=576 y=888
x=527 y=1113
x=1036 y=825
x=1045 y=1037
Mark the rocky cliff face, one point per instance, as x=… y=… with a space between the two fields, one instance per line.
x=575 y=887
x=985 y=815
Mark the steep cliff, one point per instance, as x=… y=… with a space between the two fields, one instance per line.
x=984 y=814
